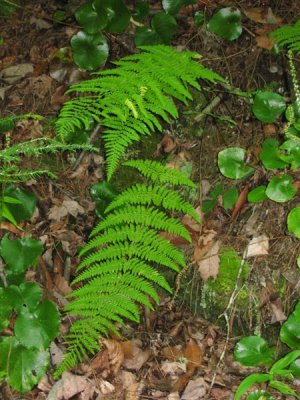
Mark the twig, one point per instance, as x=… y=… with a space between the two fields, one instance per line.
x=2 y=275
x=83 y=153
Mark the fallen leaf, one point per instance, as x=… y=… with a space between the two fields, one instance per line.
x=14 y=73
x=3 y=90
x=195 y=390
x=126 y=378
x=56 y=354
x=40 y=86
x=39 y=23
x=208 y=265
x=278 y=314
x=258 y=246
x=262 y=15
x=70 y=386
x=173 y=368
x=115 y=355
x=134 y=391
x=240 y=202
x=264 y=42
x=167 y=145
x=71 y=207
x=134 y=356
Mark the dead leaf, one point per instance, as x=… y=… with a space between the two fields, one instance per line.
x=195 y=390
x=264 y=42
x=193 y=353
x=3 y=90
x=277 y=311
x=56 y=354
x=134 y=356
x=262 y=15
x=167 y=145
x=71 y=207
x=126 y=378
x=208 y=265
x=240 y=202
x=39 y=85
x=70 y=385
x=7 y=226
x=115 y=355
x=14 y=73
x=173 y=368
x=258 y=246
x=59 y=97
x=134 y=391
x=39 y=23
x=106 y=387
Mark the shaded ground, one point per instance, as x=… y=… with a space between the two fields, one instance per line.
x=184 y=330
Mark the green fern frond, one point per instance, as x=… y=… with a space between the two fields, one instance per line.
x=8 y=123
x=288 y=36
x=130 y=100
x=157 y=172
x=120 y=265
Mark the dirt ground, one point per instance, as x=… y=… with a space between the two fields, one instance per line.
x=182 y=329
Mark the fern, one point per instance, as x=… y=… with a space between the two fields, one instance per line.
x=131 y=100
x=288 y=36
x=119 y=268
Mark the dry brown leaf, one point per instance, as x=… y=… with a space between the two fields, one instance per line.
x=173 y=352
x=193 y=353
x=14 y=73
x=7 y=226
x=240 y=202
x=134 y=357
x=262 y=15
x=134 y=391
x=278 y=314
x=208 y=266
x=56 y=354
x=264 y=42
x=258 y=246
x=167 y=145
x=115 y=355
x=72 y=207
x=70 y=385
x=173 y=368
x=39 y=85
x=196 y=389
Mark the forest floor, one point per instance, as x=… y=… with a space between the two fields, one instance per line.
x=183 y=351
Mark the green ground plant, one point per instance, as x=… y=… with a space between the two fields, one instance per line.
x=254 y=351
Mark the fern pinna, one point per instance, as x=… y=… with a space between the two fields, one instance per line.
x=119 y=268
x=131 y=100
x=288 y=36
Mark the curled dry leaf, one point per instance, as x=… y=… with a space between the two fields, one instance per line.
x=262 y=15
x=67 y=207
x=258 y=246
x=134 y=391
x=264 y=42
x=134 y=356
x=167 y=145
x=14 y=73
x=115 y=355
x=208 y=264
x=196 y=389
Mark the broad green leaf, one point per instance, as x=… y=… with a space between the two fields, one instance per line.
x=292 y=153
x=231 y=163
x=199 y=18
x=20 y=253
x=117 y=14
x=37 y=329
x=11 y=200
x=89 y=51
x=283 y=388
x=295 y=368
x=165 y=26
x=248 y=382
x=5 y=310
x=216 y=191
x=230 y=197
x=173 y=6
x=26 y=207
x=140 y=11
x=23 y=368
x=281 y=189
x=8 y=7
x=146 y=36
x=5 y=213
x=226 y=23
x=267 y=106
x=253 y=350
x=25 y=297
x=88 y=17
x=257 y=194
x=290 y=330
x=102 y=193
x=259 y=395
x=208 y=205
x=293 y=221
x=270 y=155
x=284 y=361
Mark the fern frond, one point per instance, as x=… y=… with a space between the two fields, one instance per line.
x=119 y=268
x=288 y=36
x=131 y=99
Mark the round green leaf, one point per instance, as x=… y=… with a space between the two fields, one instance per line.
x=199 y=18
x=165 y=26
x=146 y=36
x=267 y=106
x=226 y=23
x=231 y=163
x=38 y=329
x=258 y=194
x=290 y=330
x=173 y=6
x=102 y=193
x=117 y=14
x=23 y=368
x=292 y=153
x=25 y=297
x=88 y=17
x=230 y=197
x=293 y=221
x=5 y=310
x=19 y=254
x=253 y=350
x=270 y=155
x=140 y=11
x=26 y=207
x=259 y=395
x=281 y=189
x=295 y=368
x=89 y=51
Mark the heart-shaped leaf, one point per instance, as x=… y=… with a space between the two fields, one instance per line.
x=102 y=193
x=117 y=14
x=231 y=163
x=292 y=150
x=39 y=328
x=20 y=253
x=267 y=106
x=259 y=395
x=281 y=189
x=258 y=194
x=23 y=368
x=140 y=11
x=89 y=51
x=88 y=17
x=270 y=155
x=25 y=297
x=253 y=350
x=230 y=197
x=293 y=221
x=173 y=6
x=165 y=26
x=145 y=36
x=250 y=381
x=290 y=330
x=27 y=202
x=226 y=23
